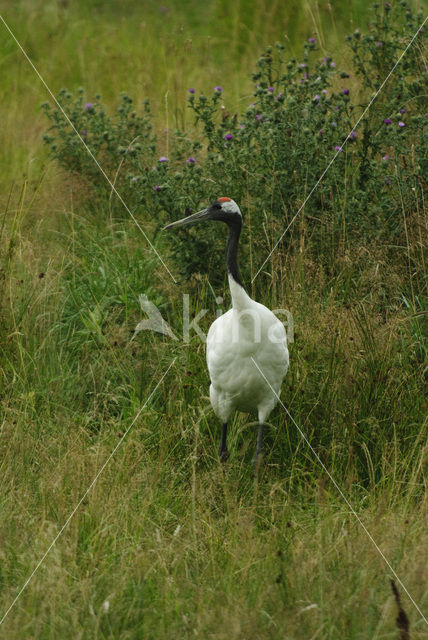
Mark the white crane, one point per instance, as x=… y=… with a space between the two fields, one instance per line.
x=245 y=341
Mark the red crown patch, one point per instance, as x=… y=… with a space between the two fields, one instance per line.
x=224 y=199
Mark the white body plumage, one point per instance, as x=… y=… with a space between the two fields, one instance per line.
x=249 y=331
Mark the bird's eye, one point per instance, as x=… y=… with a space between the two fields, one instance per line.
x=217 y=205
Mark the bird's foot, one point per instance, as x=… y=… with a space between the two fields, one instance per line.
x=223 y=455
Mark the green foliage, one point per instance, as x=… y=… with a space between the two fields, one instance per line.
x=276 y=157
x=114 y=142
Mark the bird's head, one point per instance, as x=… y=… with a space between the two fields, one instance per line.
x=223 y=209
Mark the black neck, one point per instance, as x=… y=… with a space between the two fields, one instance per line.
x=232 y=251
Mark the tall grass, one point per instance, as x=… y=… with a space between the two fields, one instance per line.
x=169 y=543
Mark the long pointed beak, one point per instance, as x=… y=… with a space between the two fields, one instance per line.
x=195 y=217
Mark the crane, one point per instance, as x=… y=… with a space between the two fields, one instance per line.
x=241 y=343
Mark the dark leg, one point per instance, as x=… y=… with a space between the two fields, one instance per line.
x=222 y=450
x=258 y=458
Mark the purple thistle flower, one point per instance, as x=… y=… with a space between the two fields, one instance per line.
x=270 y=89
x=326 y=59
x=191 y=90
x=84 y=133
x=401 y=124
x=259 y=116
x=402 y=111
x=321 y=132
x=157 y=187
x=385 y=158
x=218 y=89
x=228 y=136
x=134 y=179
x=163 y=159
x=242 y=126
x=251 y=104
x=353 y=135
x=332 y=64
x=191 y=160
x=345 y=92
x=302 y=65
x=388 y=121
x=88 y=106
x=334 y=125
x=316 y=98
x=324 y=91
x=338 y=149
x=336 y=108
x=387 y=181
x=379 y=44
x=311 y=40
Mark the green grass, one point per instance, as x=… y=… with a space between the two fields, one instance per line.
x=175 y=544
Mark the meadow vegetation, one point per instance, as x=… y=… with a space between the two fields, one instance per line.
x=168 y=542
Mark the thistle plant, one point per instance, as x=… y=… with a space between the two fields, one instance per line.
x=116 y=142
x=304 y=112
